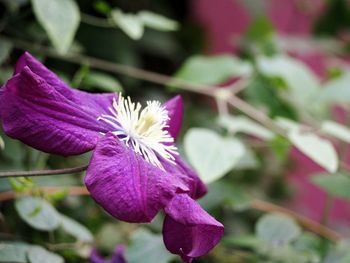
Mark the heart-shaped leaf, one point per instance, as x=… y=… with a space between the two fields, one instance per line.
x=211 y=154
x=38 y=213
x=60 y=19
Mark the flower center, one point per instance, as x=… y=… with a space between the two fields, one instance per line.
x=143 y=130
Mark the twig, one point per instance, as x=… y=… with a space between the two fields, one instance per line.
x=308 y=223
x=257 y=204
x=96 y=21
x=71 y=190
x=43 y=172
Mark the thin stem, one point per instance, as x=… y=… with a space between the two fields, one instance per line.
x=96 y=21
x=309 y=224
x=43 y=172
x=327 y=208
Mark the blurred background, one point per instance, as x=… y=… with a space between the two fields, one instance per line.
x=286 y=61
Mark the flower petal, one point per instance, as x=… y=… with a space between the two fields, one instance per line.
x=188 y=230
x=199 y=188
x=98 y=103
x=117 y=257
x=37 y=114
x=127 y=186
x=189 y=177
x=175 y=110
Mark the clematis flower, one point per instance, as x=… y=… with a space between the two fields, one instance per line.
x=135 y=170
x=117 y=257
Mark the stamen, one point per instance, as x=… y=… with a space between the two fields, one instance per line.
x=144 y=131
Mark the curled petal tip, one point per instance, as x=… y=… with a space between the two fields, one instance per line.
x=188 y=230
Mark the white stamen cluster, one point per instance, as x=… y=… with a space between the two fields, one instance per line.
x=143 y=130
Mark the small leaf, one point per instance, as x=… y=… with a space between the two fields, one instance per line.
x=211 y=70
x=146 y=247
x=243 y=124
x=302 y=83
x=13 y=252
x=157 y=21
x=277 y=229
x=38 y=213
x=336 y=130
x=316 y=148
x=247 y=161
x=76 y=229
x=210 y=154
x=60 y=19
x=335 y=184
x=37 y=254
x=102 y=81
x=336 y=90
x=339 y=254
x=131 y=24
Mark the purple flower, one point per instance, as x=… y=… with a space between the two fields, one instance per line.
x=135 y=170
x=117 y=257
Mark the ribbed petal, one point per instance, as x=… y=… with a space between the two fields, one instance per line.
x=98 y=103
x=125 y=185
x=36 y=113
x=188 y=230
x=184 y=173
x=175 y=110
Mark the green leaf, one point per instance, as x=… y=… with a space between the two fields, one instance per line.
x=336 y=130
x=277 y=229
x=38 y=213
x=336 y=90
x=221 y=192
x=102 y=81
x=210 y=154
x=131 y=24
x=280 y=146
x=339 y=254
x=247 y=161
x=157 y=21
x=146 y=247
x=244 y=241
x=37 y=254
x=262 y=91
x=5 y=49
x=243 y=124
x=60 y=19
x=316 y=148
x=261 y=29
x=211 y=70
x=301 y=82
x=76 y=229
x=335 y=184
x=13 y=252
